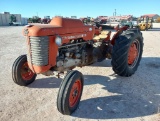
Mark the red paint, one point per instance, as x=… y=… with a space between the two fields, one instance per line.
x=75 y=93
x=133 y=53
x=26 y=73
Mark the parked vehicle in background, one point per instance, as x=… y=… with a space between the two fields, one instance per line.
x=34 y=19
x=134 y=22
x=87 y=20
x=145 y=23
x=126 y=23
x=45 y=20
x=101 y=19
x=13 y=21
x=150 y=23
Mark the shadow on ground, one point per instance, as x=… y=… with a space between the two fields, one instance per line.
x=154 y=29
x=50 y=82
x=104 y=63
x=135 y=96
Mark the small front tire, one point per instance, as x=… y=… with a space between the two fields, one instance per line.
x=70 y=92
x=21 y=74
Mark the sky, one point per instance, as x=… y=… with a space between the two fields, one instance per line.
x=80 y=8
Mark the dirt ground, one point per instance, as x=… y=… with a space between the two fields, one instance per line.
x=106 y=96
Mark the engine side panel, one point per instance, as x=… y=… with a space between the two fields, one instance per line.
x=44 y=61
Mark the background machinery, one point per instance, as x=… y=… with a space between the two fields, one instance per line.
x=45 y=20
x=145 y=23
x=34 y=19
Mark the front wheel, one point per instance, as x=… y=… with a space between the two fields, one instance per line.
x=70 y=92
x=127 y=52
x=21 y=74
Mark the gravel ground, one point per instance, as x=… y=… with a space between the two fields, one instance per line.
x=106 y=96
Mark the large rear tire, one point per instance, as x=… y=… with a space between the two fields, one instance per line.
x=127 y=52
x=21 y=74
x=70 y=92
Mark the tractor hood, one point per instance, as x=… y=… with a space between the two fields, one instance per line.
x=40 y=30
x=58 y=26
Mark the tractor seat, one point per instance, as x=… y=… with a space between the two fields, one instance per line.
x=102 y=36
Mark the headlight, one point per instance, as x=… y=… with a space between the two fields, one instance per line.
x=58 y=40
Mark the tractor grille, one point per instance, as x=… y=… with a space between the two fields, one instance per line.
x=39 y=47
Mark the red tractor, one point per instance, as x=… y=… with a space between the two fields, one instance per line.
x=66 y=43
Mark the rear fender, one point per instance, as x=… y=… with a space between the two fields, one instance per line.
x=118 y=33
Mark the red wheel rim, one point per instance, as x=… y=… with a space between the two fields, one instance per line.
x=26 y=73
x=75 y=93
x=133 y=53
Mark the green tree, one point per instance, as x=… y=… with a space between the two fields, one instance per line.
x=13 y=18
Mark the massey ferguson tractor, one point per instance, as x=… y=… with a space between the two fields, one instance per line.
x=65 y=43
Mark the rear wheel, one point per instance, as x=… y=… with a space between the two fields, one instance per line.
x=127 y=52
x=21 y=73
x=70 y=92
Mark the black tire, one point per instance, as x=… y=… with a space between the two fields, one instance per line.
x=17 y=70
x=120 y=63
x=63 y=99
